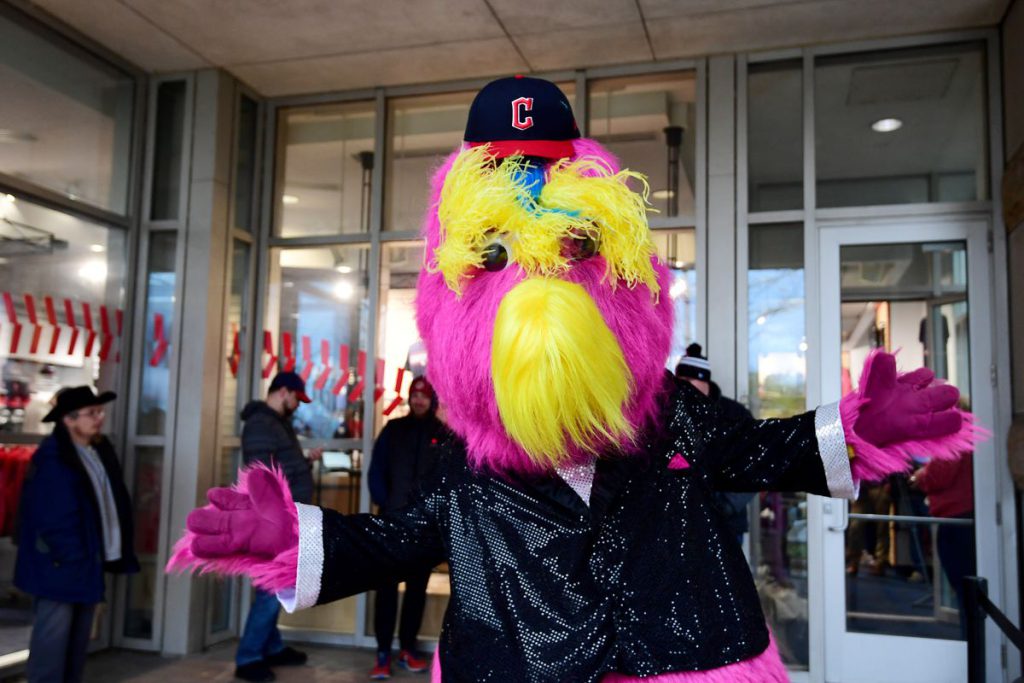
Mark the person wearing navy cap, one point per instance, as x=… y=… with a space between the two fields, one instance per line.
x=269 y=438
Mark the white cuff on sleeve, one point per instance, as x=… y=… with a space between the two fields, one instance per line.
x=835 y=459
x=311 y=561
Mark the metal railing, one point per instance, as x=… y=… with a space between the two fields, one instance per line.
x=976 y=607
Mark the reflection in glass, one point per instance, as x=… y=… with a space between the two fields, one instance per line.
x=777 y=387
x=235 y=339
x=66 y=120
x=62 y=279
x=168 y=150
x=325 y=159
x=159 y=323
x=901 y=126
x=650 y=124
x=400 y=343
x=319 y=297
x=422 y=131
x=775 y=142
x=904 y=575
x=245 y=162
x=678 y=250
x=141 y=587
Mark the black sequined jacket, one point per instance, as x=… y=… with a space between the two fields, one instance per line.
x=647 y=579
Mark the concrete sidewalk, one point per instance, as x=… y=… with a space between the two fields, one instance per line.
x=326 y=665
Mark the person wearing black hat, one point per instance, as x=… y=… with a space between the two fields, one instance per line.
x=269 y=438
x=74 y=523
x=403 y=456
x=695 y=369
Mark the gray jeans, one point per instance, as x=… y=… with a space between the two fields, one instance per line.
x=60 y=640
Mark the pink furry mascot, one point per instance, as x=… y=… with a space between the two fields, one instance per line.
x=574 y=505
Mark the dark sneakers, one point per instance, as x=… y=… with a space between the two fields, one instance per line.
x=286 y=657
x=257 y=672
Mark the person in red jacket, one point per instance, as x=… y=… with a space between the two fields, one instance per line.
x=949 y=485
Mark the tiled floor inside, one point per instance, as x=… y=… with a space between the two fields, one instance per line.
x=326 y=664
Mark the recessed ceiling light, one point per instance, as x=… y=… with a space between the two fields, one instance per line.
x=8 y=198
x=343 y=269
x=886 y=125
x=289 y=199
x=344 y=290
x=97 y=248
x=662 y=194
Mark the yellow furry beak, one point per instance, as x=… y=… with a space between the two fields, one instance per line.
x=559 y=374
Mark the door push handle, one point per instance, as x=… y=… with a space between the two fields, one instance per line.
x=840 y=508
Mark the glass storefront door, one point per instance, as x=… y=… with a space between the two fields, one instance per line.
x=894 y=559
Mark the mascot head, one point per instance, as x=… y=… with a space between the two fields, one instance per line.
x=542 y=304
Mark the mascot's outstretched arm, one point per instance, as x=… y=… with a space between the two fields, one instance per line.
x=868 y=435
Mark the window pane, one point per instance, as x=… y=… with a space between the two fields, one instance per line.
x=62 y=282
x=678 y=250
x=156 y=370
x=325 y=160
x=422 y=131
x=650 y=123
x=319 y=298
x=66 y=119
x=235 y=360
x=901 y=126
x=777 y=387
x=775 y=138
x=905 y=578
x=141 y=591
x=168 y=148
x=245 y=162
x=399 y=341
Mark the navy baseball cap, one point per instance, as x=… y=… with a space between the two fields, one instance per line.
x=292 y=381
x=522 y=115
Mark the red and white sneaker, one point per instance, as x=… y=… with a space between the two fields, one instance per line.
x=410 y=661
x=381 y=671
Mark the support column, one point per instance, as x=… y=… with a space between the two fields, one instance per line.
x=201 y=363
x=721 y=232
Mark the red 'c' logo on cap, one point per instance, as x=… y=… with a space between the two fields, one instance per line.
x=521 y=105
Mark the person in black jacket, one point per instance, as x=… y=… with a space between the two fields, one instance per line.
x=74 y=523
x=403 y=456
x=268 y=438
x=695 y=369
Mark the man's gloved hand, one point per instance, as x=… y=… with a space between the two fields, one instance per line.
x=256 y=523
x=907 y=407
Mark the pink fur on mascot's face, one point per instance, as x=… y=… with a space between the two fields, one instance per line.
x=457 y=332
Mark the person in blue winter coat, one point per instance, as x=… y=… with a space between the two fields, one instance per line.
x=404 y=455
x=74 y=524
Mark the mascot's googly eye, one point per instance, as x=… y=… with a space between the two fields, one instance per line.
x=495 y=257
x=580 y=247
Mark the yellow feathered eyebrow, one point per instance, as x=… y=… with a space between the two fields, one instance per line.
x=481 y=199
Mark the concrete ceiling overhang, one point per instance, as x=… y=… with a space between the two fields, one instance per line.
x=285 y=47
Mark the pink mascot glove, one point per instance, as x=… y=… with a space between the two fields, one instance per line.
x=893 y=417
x=251 y=529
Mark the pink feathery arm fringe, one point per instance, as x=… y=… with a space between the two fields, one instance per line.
x=874 y=463
x=274 y=575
